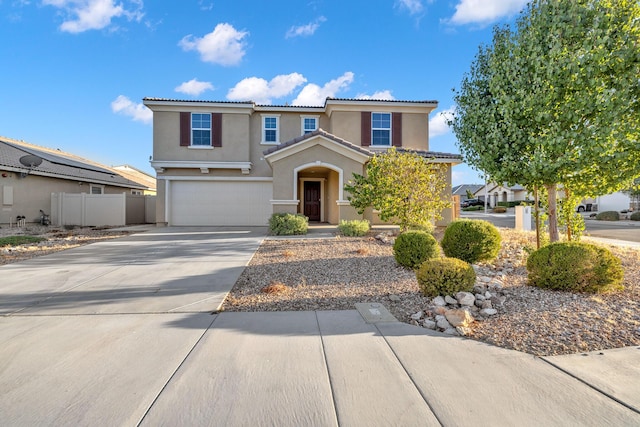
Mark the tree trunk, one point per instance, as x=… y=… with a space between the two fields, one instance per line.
x=553 y=213
x=566 y=214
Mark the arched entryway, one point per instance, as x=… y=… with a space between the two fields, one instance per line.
x=317 y=185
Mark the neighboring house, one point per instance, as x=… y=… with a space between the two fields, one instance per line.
x=236 y=163
x=461 y=190
x=136 y=175
x=618 y=201
x=26 y=186
x=504 y=193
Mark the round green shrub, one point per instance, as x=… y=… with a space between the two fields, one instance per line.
x=354 y=228
x=445 y=276
x=635 y=216
x=499 y=209
x=412 y=248
x=471 y=240
x=575 y=267
x=427 y=227
x=608 y=216
x=286 y=224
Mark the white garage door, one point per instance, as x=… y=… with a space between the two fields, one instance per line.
x=220 y=203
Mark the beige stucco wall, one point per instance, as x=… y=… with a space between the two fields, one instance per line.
x=415 y=131
x=166 y=140
x=32 y=193
x=346 y=125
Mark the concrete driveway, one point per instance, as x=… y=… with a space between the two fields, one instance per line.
x=121 y=333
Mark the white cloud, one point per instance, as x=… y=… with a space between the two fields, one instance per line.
x=194 y=87
x=485 y=12
x=381 y=94
x=305 y=30
x=95 y=14
x=413 y=6
x=261 y=91
x=224 y=45
x=138 y=112
x=312 y=94
x=438 y=122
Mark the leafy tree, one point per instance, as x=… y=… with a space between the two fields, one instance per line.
x=404 y=187
x=469 y=194
x=556 y=101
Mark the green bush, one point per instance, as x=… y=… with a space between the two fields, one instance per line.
x=473 y=208
x=608 y=216
x=412 y=248
x=445 y=276
x=19 y=240
x=427 y=227
x=575 y=267
x=499 y=209
x=354 y=228
x=471 y=240
x=635 y=216
x=286 y=224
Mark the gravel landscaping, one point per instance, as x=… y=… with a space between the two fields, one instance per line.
x=55 y=239
x=334 y=274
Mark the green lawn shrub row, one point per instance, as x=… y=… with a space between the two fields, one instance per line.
x=354 y=228
x=286 y=224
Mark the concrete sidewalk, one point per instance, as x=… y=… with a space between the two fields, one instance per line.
x=121 y=333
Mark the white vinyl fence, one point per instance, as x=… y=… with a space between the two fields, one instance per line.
x=101 y=209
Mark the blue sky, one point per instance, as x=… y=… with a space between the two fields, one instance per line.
x=74 y=72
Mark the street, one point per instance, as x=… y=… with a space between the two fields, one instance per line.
x=623 y=230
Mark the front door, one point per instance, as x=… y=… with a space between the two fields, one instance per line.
x=312 y=200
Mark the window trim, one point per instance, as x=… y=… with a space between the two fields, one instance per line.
x=210 y=129
x=135 y=192
x=390 y=129
x=263 y=140
x=92 y=186
x=302 y=119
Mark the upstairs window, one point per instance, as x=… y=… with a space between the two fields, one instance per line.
x=200 y=129
x=270 y=130
x=309 y=124
x=381 y=129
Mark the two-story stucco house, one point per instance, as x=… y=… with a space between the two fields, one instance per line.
x=236 y=163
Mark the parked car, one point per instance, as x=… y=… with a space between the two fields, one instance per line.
x=472 y=202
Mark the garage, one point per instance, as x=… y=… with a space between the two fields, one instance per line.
x=219 y=202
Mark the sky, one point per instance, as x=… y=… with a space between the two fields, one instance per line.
x=74 y=72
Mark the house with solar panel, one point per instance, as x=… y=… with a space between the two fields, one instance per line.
x=30 y=174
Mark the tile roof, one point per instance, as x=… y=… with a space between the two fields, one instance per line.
x=320 y=132
x=59 y=164
x=431 y=154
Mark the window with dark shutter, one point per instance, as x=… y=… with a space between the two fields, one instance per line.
x=396 y=128
x=185 y=129
x=365 y=128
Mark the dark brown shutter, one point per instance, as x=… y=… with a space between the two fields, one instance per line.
x=396 y=129
x=365 y=128
x=185 y=129
x=216 y=129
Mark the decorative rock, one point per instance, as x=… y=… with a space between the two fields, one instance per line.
x=414 y=323
x=496 y=286
x=442 y=323
x=394 y=298
x=439 y=301
x=429 y=324
x=451 y=331
x=486 y=304
x=450 y=300
x=461 y=330
x=480 y=288
x=498 y=301
x=488 y=294
x=418 y=315
x=488 y=311
x=439 y=310
x=480 y=297
x=459 y=317
x=465 y=298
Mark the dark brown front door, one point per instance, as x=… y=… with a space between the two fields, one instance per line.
x=312 y=200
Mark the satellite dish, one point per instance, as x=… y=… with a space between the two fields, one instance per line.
x=31 y=161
